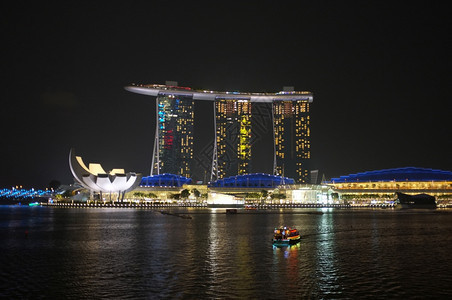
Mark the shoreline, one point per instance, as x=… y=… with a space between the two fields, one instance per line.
x=177 y=205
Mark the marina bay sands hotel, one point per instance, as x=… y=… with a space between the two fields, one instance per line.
x=173 y=145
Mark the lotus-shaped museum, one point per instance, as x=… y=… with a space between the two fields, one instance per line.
x=95 y=179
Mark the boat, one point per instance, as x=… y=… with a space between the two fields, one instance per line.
x=416 y=201
x=284 y=236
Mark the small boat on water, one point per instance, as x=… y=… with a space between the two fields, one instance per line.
x=284 y=236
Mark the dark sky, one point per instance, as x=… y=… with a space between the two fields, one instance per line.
x=379 y=72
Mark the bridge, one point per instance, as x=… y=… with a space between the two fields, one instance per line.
x=12 y=196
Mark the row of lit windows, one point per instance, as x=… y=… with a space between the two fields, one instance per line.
x=289 y=108
x=395 y=185
x=181 y=139
x=239 y=108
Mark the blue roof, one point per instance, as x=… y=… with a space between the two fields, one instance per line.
x=256 y=180
x=165 y=180
x=398 y=174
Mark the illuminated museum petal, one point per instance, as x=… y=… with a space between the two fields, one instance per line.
x=95 y=179
x=90 y=181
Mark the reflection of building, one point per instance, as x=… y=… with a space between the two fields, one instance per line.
x=292 y=139
x=233 y=134
x=232 y=144
x=380 y=187
x=174 y=135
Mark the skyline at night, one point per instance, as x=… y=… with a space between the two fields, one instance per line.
x=379 y=73
x=234 y=128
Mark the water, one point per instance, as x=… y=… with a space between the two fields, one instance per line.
x=131 y=253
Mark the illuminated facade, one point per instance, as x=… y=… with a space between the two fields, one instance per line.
x=96 y=180
x=233 y=134
x=250 y=181
x=291 y=126
x=173 y=147
x=379 y=187
x=232 y=127
x=164 y=180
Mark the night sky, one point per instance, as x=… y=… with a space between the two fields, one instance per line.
x=379 y=74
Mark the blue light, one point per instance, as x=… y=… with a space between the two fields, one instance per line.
x=171 y=180
x=253 y=181
x=23 y=193
x=397 y=174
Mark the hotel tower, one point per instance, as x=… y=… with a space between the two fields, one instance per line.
x=292 y=142
x=232 y=137
x=173 y=147
x=173 y=144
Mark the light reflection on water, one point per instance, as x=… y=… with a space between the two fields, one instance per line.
x=326 y=256
x=127 y=253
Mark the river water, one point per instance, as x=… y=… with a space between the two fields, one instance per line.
x=74 y=253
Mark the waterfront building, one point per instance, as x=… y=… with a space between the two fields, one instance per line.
x=292 y=144
x=232 y=149
x=114 y=183
x=380 y=187
x=233 y=136
x=173 y=144
x=252 y=181
x=164 y=180
x=251 y=189
x=310 y=194
x=169 y=188
x=265 y=189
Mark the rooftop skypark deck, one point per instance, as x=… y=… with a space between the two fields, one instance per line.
x=156 y=89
